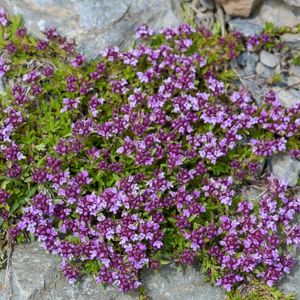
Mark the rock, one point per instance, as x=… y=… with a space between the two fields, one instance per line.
x=288 y=97
x=264 y=71
x=85 y=290
x=290 y=283
x=294 y=81
x=245 y=27
x=248 y=61
x=2 y=86
x=253 y=193
x=32 y=271
x=292 y=2
x=210 y=4
x=291 y=39
x=36 y=276
x=95 y=24
x=277 y=12
x=239 y=8
x=294 y=76
x=255 y=90
x=268 y=59
x=172 y=284
x=295 y=70
x=285 y=167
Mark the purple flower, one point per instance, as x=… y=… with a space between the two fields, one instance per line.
x=51 y=33
x=268 y=147
x=143 y=32
x=31 y=77
x=21 y=32
x=48 y=71
x=3 y=67
x=4 y=196
x=78 y=61
x=3 y=17
x=70 y=104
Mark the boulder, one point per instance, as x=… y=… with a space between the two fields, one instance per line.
x=248 y=62
x=95 y=24
x=264 y=71
x=288 y=97
x=245 y=27
x=36 y=275
x=268 y=59
x=285 y=167
x=294 y=70
x=291 y=39
x=278 y=13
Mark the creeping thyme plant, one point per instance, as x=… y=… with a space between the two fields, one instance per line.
x=138 y=158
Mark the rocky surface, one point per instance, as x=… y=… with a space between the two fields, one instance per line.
x=290 y=284
x=268 y=59
x=286 y=168
x=291 y=39
x=292 y=2
x=36 y=276
x=244 y=26
x=95 y=24
x=248 y=61
x=172 y=284
x=288 y=97
x=264 y=71
x=277 y=12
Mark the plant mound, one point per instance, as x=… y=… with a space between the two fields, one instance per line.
x=139 y=157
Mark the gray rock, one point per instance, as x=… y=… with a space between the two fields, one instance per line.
x=172 y=284
x=246 y=27
x=243 y=59
x=285 y=167
x=248 y=61
x=288 y=97
x=264 y=71
x=2 y=86
x=295 y=70
x=294 y=81
x=290 y=284
x=36 y=276
x=95 y=24
x=291 y=39
x=253 y=193
x=32 y=270
x=277 y=12
x=268 y=59
x=210 y=4
x=85 y=290
x=292 y=2
x=255 y=90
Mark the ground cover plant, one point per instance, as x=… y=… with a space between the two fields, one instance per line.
x=138 y=158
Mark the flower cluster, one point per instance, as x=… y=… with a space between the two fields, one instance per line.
x=140 y=155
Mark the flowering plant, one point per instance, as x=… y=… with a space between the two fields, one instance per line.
x=138 y=157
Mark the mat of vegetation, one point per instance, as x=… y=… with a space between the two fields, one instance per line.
x=138 y=158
